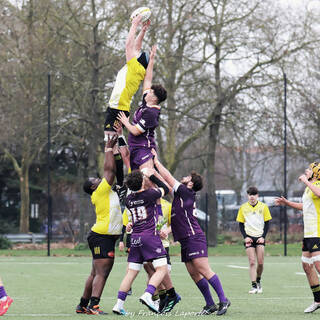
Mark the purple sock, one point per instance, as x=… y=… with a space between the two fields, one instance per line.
x=2 y=292
x=122 y=295
x=205 y=290
x=151 y=289
x=216 y=285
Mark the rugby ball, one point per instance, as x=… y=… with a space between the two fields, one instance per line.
x=145 y=12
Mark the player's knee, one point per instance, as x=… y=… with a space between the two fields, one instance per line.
x=252 y=263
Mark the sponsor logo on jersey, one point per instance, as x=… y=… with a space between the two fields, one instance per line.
x=136 y=242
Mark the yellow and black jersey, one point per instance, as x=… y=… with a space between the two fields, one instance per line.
x=311 y=212
x=108 y=211
x=254 y=218
x=166 y=211
x=127 y=84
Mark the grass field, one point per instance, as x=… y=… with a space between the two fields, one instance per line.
x=50 y=288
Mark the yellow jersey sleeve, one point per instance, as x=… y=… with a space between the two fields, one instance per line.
x=125 y=218
x=166 y=210
x=240 y=216
x=266 y=213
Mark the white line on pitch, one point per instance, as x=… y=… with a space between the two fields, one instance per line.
x=236 y=267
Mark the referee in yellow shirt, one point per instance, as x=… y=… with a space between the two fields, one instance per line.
x=253 y=217
x=103 y=234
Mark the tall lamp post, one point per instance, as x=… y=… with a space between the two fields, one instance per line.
x=49 y=167
x=285 y=159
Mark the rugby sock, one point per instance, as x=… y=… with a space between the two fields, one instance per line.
x=258 y=279
x=316 y=293
x=171 y=292
x=205 y=290
x=3 y=293
x=84 y=302
x=254 y=284
x=216 y=284
x=162 y=294
x=155 y=297
x=150 y=289
x=121 y=298
x=119 y=166
x=94 y=301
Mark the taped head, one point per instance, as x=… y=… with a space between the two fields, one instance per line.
x=315 y=167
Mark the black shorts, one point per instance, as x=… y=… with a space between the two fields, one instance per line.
x=168 y=255
x=111 y=118
x=128 y=242
x=311 y=244
x=102 y=246
x=254 y=243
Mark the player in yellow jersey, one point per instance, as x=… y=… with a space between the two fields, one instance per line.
x=5 y=300
x=129 y=77
x=253 y=217
x=104 y=233
x=126 y=85
x=310 y=207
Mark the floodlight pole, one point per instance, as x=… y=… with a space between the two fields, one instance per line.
x=285 y=160
x=206 y=218
x=49 y=167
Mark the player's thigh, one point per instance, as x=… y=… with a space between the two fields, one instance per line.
x=260 y=254
x=251 y=254
x=149 y=268
x=103 y=266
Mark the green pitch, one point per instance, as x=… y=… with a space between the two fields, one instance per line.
x=50 y=288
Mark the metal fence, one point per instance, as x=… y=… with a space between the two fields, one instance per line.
x=73 y=215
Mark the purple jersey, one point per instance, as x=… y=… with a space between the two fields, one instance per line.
x=183 y=223
x=146 y=119
x=143 y=210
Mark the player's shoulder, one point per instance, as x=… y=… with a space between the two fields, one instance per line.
x=262 y=204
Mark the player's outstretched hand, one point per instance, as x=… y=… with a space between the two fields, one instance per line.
x=137 y=19
x=118 y=127
x=303 y=178
x=123 y=118
x=146 y=25
x=112 y=139
x=280 y=201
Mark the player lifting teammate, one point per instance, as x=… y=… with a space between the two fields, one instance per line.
x=186 y=230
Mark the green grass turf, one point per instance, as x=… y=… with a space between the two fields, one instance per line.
x=50 y=288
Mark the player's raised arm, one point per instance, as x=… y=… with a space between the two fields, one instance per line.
x=126 y=122
x=282 y=201
x=139 y=38
x=150 y=173
x=131 y=39
x=149 y=72
x=164 y=172
x=109 y=168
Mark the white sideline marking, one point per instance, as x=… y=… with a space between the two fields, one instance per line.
x=39 y=315
x=300 y=273
x=236 y=267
